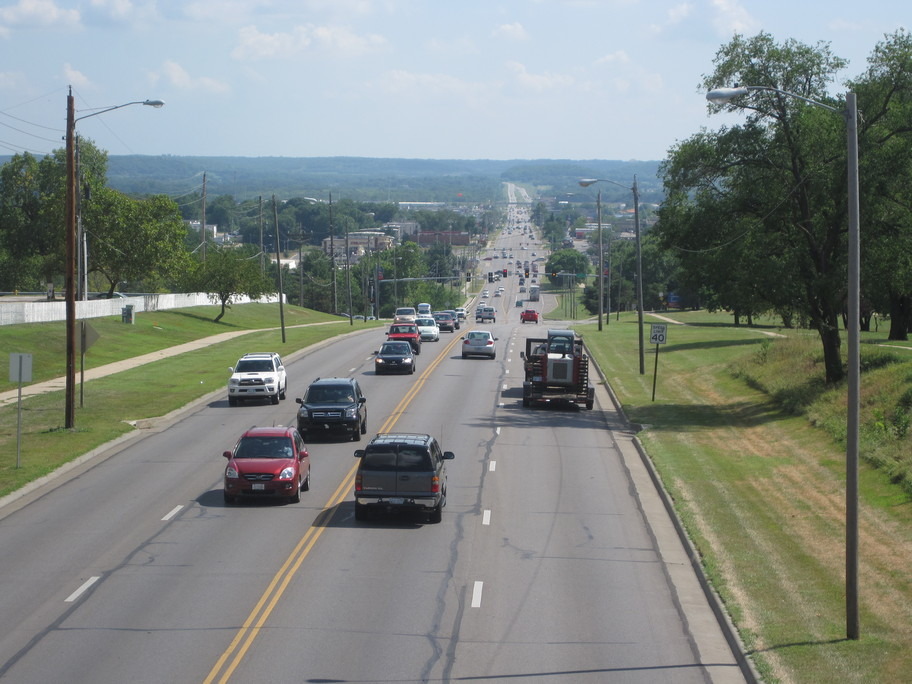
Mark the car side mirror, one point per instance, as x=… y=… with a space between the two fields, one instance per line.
x=448 y=455
x=231 y=369
x=299 y=400
x=362 y=400
x=522 y=355
x=376 y=352
x=303 y=454
x=227 y=454
x=359 y=453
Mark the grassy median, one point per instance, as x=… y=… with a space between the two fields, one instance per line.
x=747 y=439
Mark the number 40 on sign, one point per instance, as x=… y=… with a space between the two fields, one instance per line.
x=657 y=336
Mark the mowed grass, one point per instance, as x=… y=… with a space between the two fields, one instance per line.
x=747 y=440
x=149 y=391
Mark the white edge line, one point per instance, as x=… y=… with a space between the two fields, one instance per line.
x=486 y=517
x=174 y=511
x=83 y=589
x=476 y=595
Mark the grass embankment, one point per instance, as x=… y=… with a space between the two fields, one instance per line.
x=748 y=441
x=151 y=390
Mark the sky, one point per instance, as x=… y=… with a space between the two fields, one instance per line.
x=419 y=79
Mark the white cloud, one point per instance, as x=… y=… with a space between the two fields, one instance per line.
x=514 y=31
x=616 y=57
x=75 y=77
x=117 y=9
x=38 y=13
x=731 y=18
x=179 y=77
x=401 y=82
x=538 y=82
x=673 y=16
x=254 y=44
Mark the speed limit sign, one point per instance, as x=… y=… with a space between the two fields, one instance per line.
x=658 y=334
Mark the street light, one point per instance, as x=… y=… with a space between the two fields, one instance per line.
x=586 y=182
x=850 y=113
x=601 y=260
x=70 y=227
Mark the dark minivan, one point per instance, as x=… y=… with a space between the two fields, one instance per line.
x=401 y=471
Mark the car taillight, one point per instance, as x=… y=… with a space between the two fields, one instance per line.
x=466 y=342
x=435 y=484
x=358 y=482
x=489 y=342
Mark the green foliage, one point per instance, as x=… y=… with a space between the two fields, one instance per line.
x=226 y=273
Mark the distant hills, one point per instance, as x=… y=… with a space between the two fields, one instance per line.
x=374 y=179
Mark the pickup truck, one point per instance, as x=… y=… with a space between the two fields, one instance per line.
x=405 y=332
x=401 y=472
x=528 y=316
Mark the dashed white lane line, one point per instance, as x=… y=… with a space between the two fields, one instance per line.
x=492 y=466
x=476 y=595
x=83 y=589
x=486 y=517
x=497 y=431
x=174 y=511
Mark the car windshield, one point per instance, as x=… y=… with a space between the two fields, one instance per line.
x=264 y=447
x=329 y=394
x=478 y=336
x=395 y=349
x=425 y=322
x=400 y=329
x=254 y=366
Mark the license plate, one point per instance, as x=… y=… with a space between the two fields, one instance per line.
x=258 y=486
x=396 y=500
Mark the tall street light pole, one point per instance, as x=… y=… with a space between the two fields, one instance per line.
x=850 y=113
x=586 y=182
x=70 y=227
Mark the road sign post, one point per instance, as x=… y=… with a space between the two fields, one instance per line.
x=20 y=371
x=658 y=335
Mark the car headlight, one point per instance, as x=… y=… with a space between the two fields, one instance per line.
x=351 y=412
x=287 y=474
x=234 y=382
x=379 y=360
x=407 y=360
x=231 y=473
x=269 y=380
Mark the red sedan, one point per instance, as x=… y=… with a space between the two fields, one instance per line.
x=268 y=462
x=529 y=316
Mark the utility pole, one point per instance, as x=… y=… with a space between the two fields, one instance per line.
x=203 y=220
x=262 y=247
x=332 y=254
x=275 y=215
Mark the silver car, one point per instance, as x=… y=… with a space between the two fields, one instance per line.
x=427 y=328
x=479 y=343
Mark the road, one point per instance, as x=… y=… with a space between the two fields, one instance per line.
x=555 y=560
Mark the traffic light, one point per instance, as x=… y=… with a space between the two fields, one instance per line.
x=468 y=277
x=527 y=273
x=505 y=273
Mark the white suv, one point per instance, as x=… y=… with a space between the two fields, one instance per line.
x=260 y=375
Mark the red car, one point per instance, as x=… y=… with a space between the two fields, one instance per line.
x=405 y=332
x=529 y=315
x=268 y=462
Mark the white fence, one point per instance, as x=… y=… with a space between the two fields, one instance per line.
x=16 y=312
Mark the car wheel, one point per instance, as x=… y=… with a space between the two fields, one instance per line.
x=356 y=434
x=282 y=392
x=364 y=426
x=360 y=512
x=296 y=497
x=229 y=500
x=274 y=398
x=232 y=401
x=305 y=487
x=465 y=356
x=493 y=356
x=412 y=372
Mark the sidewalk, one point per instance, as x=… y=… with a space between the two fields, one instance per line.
x=59 y=384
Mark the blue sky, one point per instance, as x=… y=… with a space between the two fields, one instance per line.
x=470 y=79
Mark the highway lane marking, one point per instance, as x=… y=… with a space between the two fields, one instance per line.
x=174 y=511
x=492 y=466
x=476 y=594
x=83 y=589
x=497 y=430
x=228 y=662
x=486 y=517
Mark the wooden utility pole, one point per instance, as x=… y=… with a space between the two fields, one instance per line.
x=203 y=220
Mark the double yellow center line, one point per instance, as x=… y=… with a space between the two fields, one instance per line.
x=229 y=660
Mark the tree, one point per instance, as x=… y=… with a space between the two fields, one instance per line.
x=132 y=240
x=226 y=274
x=779 y=179
x=567 y=261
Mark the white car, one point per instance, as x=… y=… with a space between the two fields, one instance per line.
x=257 y=376
x=427 y=328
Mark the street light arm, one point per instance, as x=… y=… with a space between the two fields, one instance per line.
x=586 y=182
x=721 y=96
x=158 y=104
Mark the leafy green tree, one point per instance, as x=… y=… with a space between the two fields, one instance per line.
x=567 y=261
x=226 y=274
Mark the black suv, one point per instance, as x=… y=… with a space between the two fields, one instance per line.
x=401 y=471
x=333 y=405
